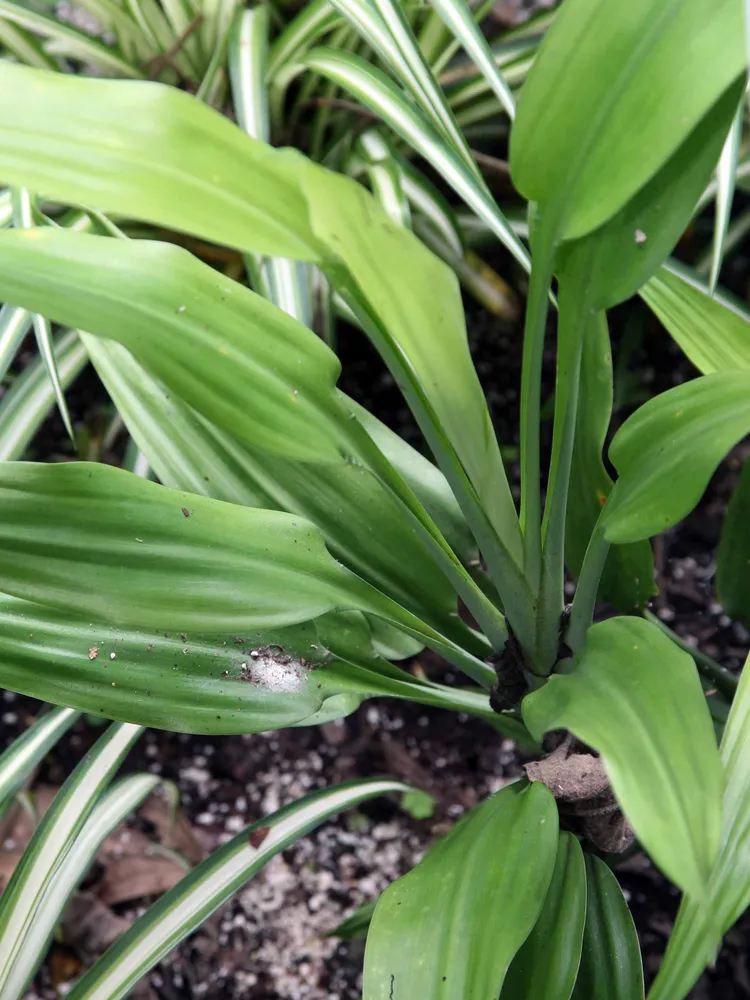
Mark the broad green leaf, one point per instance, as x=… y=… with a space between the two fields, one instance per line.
x=611 y=97
x=112 y=808
x=667 y=451
x=628 y=578
x=425 y=479
x=25 y=752
x=611 y=959
x=194 y=684
x=158 y=558
x=546 y=966
x=150 y=152
x=189 y=904
x=204 y=683
x=693 y=943
x=244 y=363
x=359 y=520
x=636 y=699
x=153 y=153
x=596 y=272
x=164 y=559
x=30 y=398
x=51 y=841
x=460 y=412
x=733 y=556
x=451 y=926
x=712 y=332
x=633 y=243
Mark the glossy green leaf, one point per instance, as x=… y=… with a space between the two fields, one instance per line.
x=712 y=332
x=546 y=966
x=450 y=927
x=667 y=451
x=425 y=479
x=628 y=578
x=159 y=558
x=165 y=559
x=112 y=808
x=611 y=96
x=152 y=153
x=195 y=684
x=216 y=338
x=51 y=841
x=637 y=700
x=456 y=421
x=611 y=959
x=634 y=242
x=733 y=556
x=25 y=752
x=359 y=520
x=189 y=904
x=693 y=942
x=191 y=562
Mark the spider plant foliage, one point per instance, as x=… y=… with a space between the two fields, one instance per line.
x=293 y=549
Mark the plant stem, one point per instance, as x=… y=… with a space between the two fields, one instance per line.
x=531 y=387
x=584 y=602
x=720 y=677
x=574 y=318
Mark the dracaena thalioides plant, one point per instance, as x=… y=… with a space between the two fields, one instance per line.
x=290 y=518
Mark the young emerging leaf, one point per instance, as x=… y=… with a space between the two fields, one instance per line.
x=546 y=966
x=450 y=927
x=654 y=732
x=611 y=959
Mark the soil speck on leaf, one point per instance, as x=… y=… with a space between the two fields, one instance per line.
x=257 y=836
